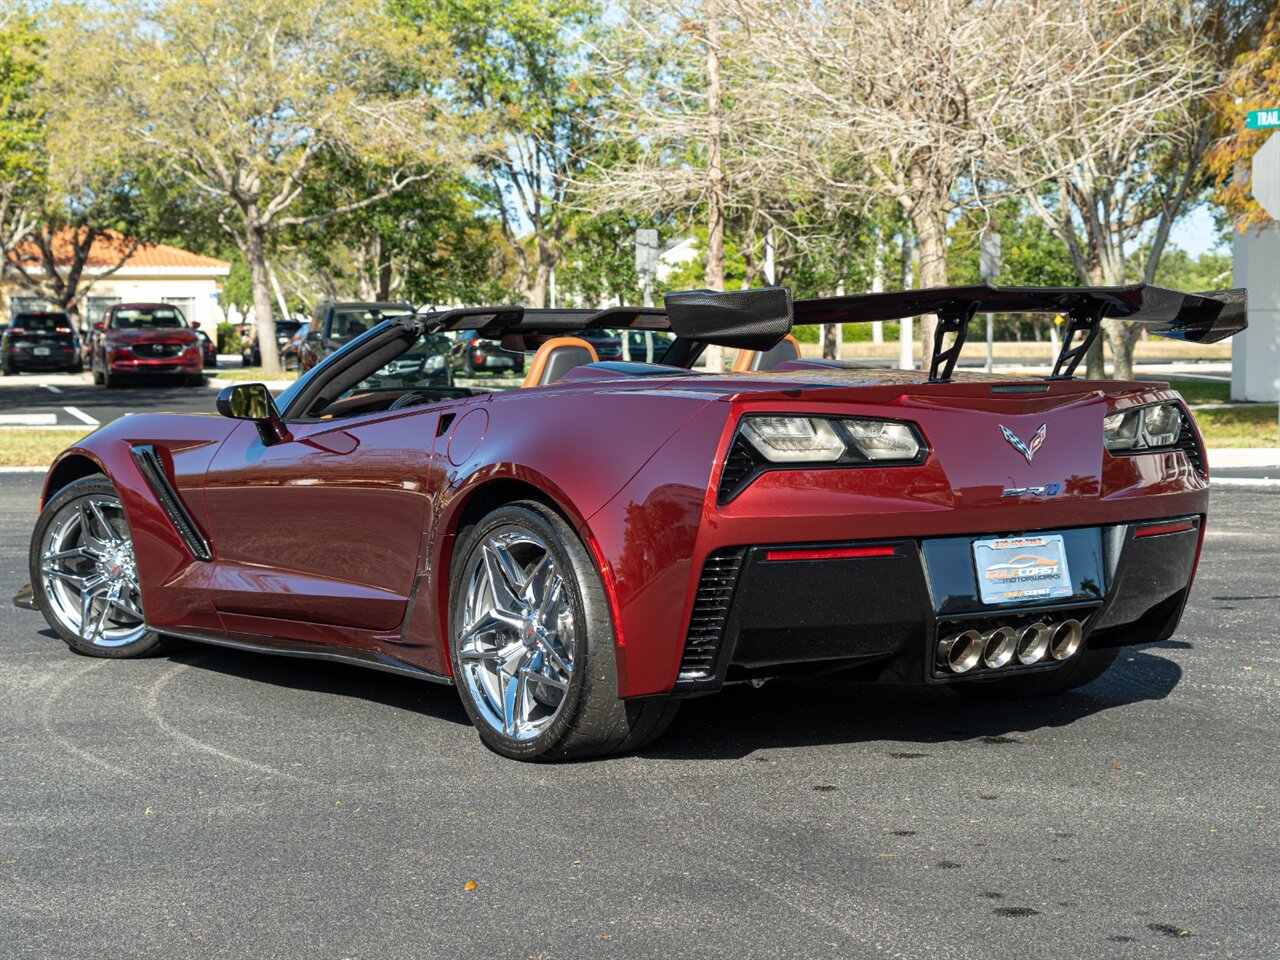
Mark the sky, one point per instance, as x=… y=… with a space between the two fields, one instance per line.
x=1196 y=233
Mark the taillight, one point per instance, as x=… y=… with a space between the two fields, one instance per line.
x=17 y=329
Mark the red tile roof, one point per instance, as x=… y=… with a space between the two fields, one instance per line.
x=108 y=248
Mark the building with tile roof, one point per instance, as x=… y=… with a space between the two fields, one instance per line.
x=153 y=273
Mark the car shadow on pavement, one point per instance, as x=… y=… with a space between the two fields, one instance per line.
x=319 y=676
x=800 y=713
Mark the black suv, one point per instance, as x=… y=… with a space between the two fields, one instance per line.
x=40 y=341
x=336 y=322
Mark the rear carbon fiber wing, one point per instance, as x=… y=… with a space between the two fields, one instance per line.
x=1198 y=317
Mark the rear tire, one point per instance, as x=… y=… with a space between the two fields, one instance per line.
x=7 y=368
x=533 y=646
x=1085 y=667
x=83 y=574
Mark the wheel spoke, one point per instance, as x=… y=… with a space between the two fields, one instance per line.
x=505 y=574
x=125 y=602
x=80 y=580
x=103 y=524
x=553 y=658
x=80 y=552
x=487 y=622
x=550 y=600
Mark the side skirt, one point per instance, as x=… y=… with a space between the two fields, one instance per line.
x=305 y=651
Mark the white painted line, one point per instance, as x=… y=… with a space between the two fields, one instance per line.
x=51 y=388
x=24 y=469
x=80 y=428
x=81 y=416
x=29 y=419
x=1242 y=482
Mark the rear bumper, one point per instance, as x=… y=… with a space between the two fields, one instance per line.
x=58 y=358
x=879 y=618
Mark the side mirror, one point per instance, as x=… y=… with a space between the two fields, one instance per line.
x=253 y=401
x=98 y=325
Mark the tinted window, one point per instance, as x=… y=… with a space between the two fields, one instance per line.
x=41 y=321
x=423 y=365
x=350 y=323
x=133 y=318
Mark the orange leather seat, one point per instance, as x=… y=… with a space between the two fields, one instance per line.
x=557 y=357
x=757 y=361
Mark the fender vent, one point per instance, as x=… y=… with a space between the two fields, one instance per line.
x=710 y=614
x=152 y=469
x=1187 y=444
x=739 y=469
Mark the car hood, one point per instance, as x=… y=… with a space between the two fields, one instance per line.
x=152 y=335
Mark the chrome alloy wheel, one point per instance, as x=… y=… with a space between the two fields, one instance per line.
x=89 y=575
x=516 y=646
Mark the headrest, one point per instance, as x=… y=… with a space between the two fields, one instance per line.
x=557 y=357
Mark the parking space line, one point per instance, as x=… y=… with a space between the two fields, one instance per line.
x=29 y=419
x=51 y=388
x=81 y=416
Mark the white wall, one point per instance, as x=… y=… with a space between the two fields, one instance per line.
x=1255 y=353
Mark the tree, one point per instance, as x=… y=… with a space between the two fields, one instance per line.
x=73 y=205
x=20 y=129
x=245 y=100
x=1126 y=157
x=1253 y=84
x=684 y=138
x=520 y=65
x=924 y=103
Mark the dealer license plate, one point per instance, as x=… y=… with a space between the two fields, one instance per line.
x=1022 y=568
x=42 y=351
x=502 y=361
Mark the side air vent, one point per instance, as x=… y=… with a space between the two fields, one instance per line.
x=710 y=614
x=152 y=469
x=1188 y=444
x=738 y=470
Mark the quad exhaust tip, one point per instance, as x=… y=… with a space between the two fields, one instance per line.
x=963 y=651
x=960 y=652
x=1066 y=639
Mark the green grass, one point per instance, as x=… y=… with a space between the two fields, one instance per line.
x=1202 y=391
x=252 y=374
x=1252 y=426
x=21 y=447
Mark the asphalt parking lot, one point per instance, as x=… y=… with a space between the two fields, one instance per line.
x=215 y=804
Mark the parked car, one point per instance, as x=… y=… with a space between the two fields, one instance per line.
x=44 y=340
x=638 y=342
x=577 y=556
x=251 y=350
x=208 y=348
x=146 y=338
x=335 y=323
x=471 y=354
x=291 y=352
x=607 y=343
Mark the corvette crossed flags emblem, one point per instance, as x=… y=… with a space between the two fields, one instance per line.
x=1028 y=450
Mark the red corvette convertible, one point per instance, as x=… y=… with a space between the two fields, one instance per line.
x=579 y=555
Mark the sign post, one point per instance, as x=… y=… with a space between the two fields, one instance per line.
x=646 y=272
x=989 y=267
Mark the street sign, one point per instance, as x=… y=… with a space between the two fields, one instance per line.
x=1263 y=119
x=646 y=253
x=989 y=256
x=1265 y=181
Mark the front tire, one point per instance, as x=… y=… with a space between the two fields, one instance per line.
x=84 y=575
x=532 y=643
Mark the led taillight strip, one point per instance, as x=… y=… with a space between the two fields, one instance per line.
x=830 y=553
x=1161 y=528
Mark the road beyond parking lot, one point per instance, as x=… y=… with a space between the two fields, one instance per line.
x=217 y=804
